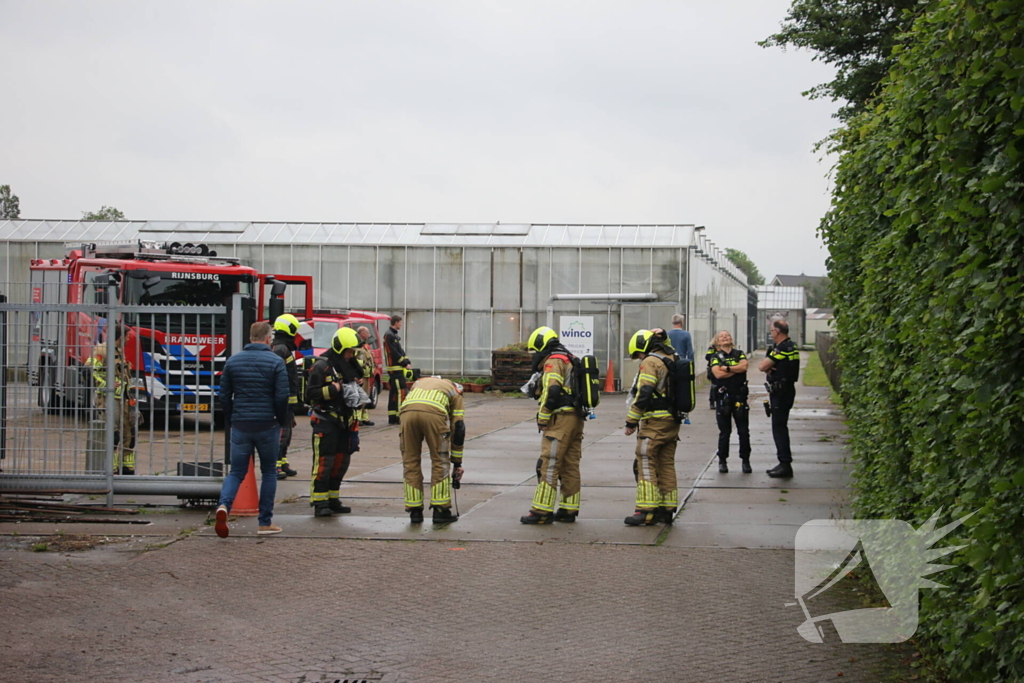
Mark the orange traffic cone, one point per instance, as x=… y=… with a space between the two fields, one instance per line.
x=609 y=379
x=247 y=500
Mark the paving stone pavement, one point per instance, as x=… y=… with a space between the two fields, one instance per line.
x=485 y=599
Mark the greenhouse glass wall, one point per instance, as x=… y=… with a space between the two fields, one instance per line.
x=464 y=289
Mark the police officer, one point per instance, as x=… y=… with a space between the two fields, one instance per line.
x=433 y=411
x=335 y=428
x=561 y=445
x=782 y=365
x=398 y=367
x=729 y=367
x=650 y=417
x=125 y=414
x=285 y=329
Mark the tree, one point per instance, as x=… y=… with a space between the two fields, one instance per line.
x=743 y=262
x=9 y=207
x=106 y=213
x=856 y=36
x=924 y=234
x=818 y=294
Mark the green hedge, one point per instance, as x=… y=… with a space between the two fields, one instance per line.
x=926 y=242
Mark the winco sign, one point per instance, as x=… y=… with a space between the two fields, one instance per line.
x=577 y=333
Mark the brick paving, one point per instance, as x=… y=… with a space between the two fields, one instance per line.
x=315 y=610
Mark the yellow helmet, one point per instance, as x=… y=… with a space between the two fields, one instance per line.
x=344 y=338
x=540 y=338
x=288 y=324
x=640 y=342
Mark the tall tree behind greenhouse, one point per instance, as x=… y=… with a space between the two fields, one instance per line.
x=106 y=213
x=9 y=203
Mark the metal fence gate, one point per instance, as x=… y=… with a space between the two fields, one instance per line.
x=63 y=431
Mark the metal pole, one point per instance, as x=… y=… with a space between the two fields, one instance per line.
x=110 y=403
x=3 y=379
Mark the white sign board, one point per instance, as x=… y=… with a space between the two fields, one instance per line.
x=576 y=332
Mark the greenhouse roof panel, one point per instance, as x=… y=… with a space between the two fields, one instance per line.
x=383 y=234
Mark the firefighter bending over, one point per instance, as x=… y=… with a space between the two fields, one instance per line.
x=125 y=414
x=433 y=411
x=335 y=428
x=285 y=329
x=561 y=445
x=651 y=413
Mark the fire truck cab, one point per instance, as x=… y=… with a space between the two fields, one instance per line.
x=175 y=359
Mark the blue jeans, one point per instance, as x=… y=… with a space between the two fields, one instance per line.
x=242 y=446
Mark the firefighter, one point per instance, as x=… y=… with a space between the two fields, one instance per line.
x=125 y=414
x=432 y=411
x=285 y=329
x=365 y=360
x=335 y=428
x=561 y=446
x=398 y=367
x=650 y=416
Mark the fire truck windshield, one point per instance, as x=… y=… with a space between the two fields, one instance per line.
x=182 y=289
x=187 y=289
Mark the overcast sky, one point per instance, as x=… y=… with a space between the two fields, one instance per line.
x=519 y=111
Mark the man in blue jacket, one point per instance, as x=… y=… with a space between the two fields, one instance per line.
x=254 y=395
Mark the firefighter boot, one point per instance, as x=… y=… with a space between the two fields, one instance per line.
x=281 y=474
x=416 y=515
x=564 y=515
x=288 y=471
x=444 y=516
x=322 y=510
x=335 y=506
x=643 y=518
x=537 y=518
x=668 y=515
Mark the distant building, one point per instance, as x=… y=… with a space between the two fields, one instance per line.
x=801 y=280
x=786 y=302
x=818 y=320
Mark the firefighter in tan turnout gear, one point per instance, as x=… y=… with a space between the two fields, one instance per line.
x=432 y=411
x=561 y=446
x=651 y=414
x=125 y=414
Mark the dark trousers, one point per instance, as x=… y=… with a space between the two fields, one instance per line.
x=282 y=448
x=333 y=447
x=396 y=394
x=725 y=414
x=782 y=403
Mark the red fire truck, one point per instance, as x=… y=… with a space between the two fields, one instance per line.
x=175 y=359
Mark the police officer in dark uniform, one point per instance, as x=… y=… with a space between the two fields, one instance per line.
x=334 y=421
x=782 y=365
x=729 y=368
x=398 y=367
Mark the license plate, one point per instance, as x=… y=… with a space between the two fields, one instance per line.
x=195 y=407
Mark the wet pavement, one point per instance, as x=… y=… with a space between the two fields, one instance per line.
x=352 y=598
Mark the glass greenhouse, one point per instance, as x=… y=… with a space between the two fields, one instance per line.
x=464 y=289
